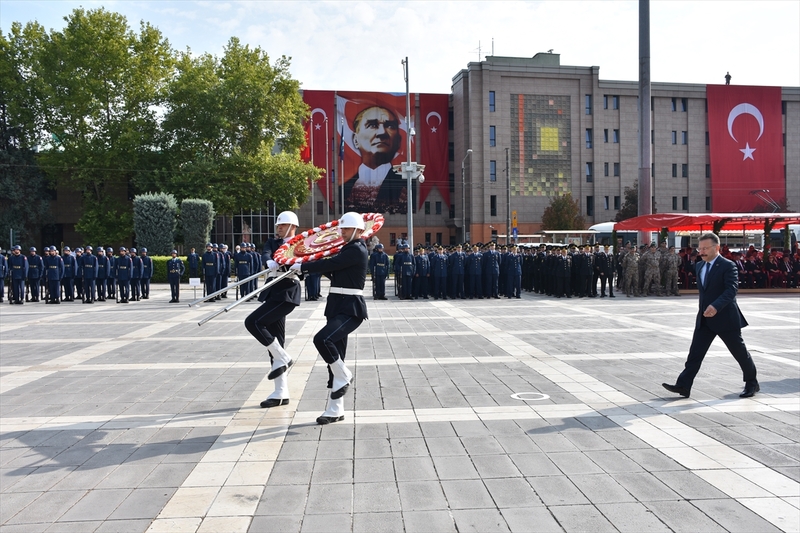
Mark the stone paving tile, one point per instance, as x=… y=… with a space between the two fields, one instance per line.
x=582 y=518
x=374 y=470
x=414 y=469
x=557 y=491
x=733 y=516
x=323 y=523
x=601 y=488
x=632 y=518
x=456 y=467
x=48 y=507
x=376 y=498
x=467 y=494
x=427 y=521
x=377 y=522
x=484 y=520
x=330 y=499
x=689 y=485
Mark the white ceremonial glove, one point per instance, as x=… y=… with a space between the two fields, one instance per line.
x=297 y=267
x=272 y=265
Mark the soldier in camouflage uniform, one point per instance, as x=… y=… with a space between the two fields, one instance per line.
x=652 y=271
x=673 y=261
x=642 y=265
x=663 y=263
x=630 y=273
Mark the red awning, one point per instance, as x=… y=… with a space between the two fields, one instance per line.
x=705 y=221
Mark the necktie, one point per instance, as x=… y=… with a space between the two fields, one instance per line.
x=706 y=269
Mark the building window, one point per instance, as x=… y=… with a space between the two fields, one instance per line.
x=674 y=170
x=427 y=239
x=452 y=212
x=616 y=203
x=427 y=208
x=392 y=239
x=652 y=136
x=439 y=238
x=783 y=107
x=615 y=102
x=493 y=205
x=491 y=101
x=684 y=137
x=319 y=208
x=605 y=169
x=674 y=104
x=708 y=170
x=685 y=203
x=684 y=104
x=706 y=138
x=439 y=208
x=588 y=104
x=616 y=169
x=589 y=173
x=616 y=136
x=652 y=170
x=494 y=235
x=605 y=202
x=590 y=206
x=451 y=152
x=674 y=203
x=492 y=170
x=708 y=203
x=684 y=170
x=705 y=101
x=588 y=137
x=605 y=101
x=492 y=136
x=674 y=137
x=605 y=135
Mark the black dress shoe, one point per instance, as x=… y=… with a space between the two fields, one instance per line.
x=677 y=390
x=324 y=420
x=750 y=390
x=338 y=393
x=274 y=402
x=278 y=371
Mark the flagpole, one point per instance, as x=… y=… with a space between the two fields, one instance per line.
x=327 y=172
x=341 y=161
x=311 y=142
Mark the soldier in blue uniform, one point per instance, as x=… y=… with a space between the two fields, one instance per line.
x=193 y=260
x=379 y=271
x=136 y=275
x=89 y=267
x=258 y=264
x=422 y=273
x=243 y=263
x=103 y=273
x=3 y=274
x=490 y=264
x=563 y=274
x=175 y=270
x=210 y=269
x=456 y=263
x=68 y=281
x=226 y=267
x=405 y=268
x=513 y=269
x=18 y=271
x=111 y=291
x=147 y=273
x=78 y=273
x=268 y=322
x=439 y=274
x=344 y=311
x=54 y=266
x=123 y=267
x=35 y=269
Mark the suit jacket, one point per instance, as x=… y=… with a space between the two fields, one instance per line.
x=388 y=199
x=719 y=290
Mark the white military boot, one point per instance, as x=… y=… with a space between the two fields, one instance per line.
x=280 y=359
x=281 y=394
x=334 y=411
x=341 y=379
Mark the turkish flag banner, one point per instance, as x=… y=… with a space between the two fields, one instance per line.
x=319 y=135
x=433 y=111
x=746 y=147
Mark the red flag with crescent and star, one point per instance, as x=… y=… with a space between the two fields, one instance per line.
x=746 y=147
x=320 y=128
x=433 y=112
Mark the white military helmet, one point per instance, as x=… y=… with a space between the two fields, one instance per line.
x=352 y=220
x=287 y=217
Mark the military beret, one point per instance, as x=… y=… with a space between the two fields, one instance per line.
x=652 y=245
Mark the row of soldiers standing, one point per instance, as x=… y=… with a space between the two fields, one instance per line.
x=81 y=275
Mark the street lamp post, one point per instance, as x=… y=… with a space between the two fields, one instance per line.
x=410 y=169
x=464 y=198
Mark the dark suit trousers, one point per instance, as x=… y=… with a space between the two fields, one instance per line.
x=268 y=322
x=331 y=341
x=701 y=341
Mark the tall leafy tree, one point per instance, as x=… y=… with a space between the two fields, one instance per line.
x=630 y=206
x=96 y=89
x=233 y=131
x=563 y=213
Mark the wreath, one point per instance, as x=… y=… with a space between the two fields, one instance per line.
x=323 y=241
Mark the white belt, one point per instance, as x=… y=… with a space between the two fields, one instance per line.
x=349 y=292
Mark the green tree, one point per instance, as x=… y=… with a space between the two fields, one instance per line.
x=630 y=207
x=226 y=118
x=154 y=221
x=563 y=213
x=95 y=87
x=197 y=218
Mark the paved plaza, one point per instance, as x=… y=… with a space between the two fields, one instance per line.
x=537 y=414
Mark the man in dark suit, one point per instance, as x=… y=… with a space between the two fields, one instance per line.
x=719 y=315
x=376 y=187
